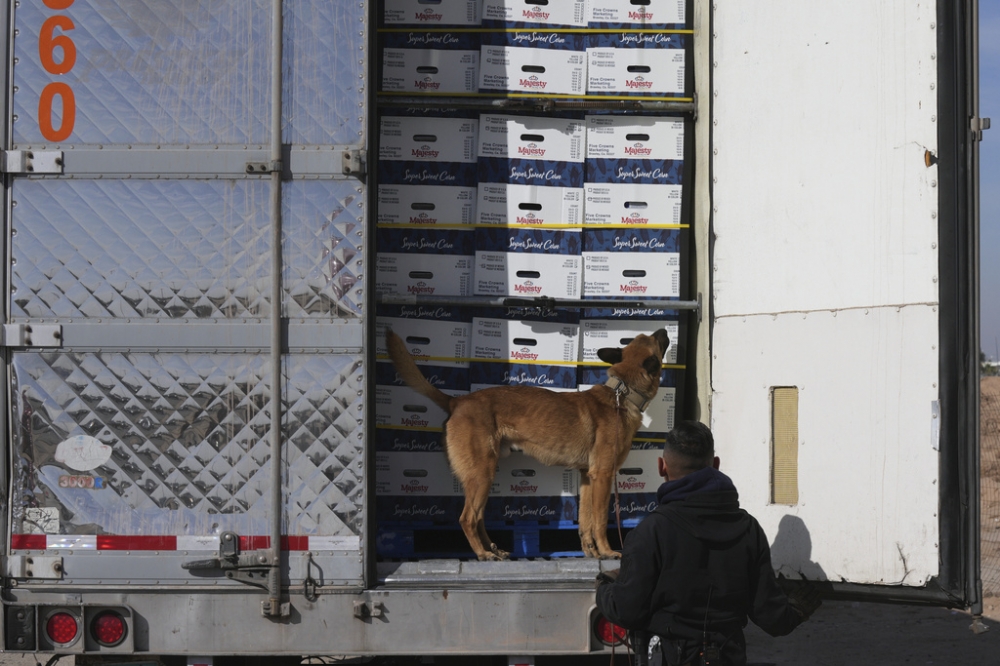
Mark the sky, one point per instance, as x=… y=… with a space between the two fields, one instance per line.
x=989 y=177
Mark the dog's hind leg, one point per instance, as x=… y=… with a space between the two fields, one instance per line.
x=586 y=516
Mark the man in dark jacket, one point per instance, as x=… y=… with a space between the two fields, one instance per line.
x=696 y=568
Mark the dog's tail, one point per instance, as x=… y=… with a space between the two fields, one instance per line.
x=410 y=373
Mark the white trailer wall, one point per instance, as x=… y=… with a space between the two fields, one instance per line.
x=825 y=277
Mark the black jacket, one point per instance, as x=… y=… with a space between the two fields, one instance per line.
x=698 y=564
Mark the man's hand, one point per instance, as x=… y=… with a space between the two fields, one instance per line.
x=607 y=577
x=804 y=599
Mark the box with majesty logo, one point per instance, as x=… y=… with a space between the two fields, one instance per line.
x=432 y=14
x=525 y=351
x=632 y=204
x=543 y=63
x=520 y=13
x=399 y=406
x=424 y=262
x=528 y=262
x=530 y=170
x=433 y=335
x=428 y=139
x=419 y=204
x=632 y=262
x=430 y=62
x=648 y=14
x=635 y=63
x=635 y=149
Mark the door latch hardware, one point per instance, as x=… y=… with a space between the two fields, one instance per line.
x=355 y=162
x=32 y=161
x=364 y=610
x=32 y=335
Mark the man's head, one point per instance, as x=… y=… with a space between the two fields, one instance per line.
x=690 y=447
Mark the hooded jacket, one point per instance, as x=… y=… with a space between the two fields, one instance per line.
x=698 y=566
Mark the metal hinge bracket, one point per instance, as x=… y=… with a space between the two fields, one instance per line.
x=978 y=126
x=32 y=335
x=364 y=610
x=35 y=567
x=355 y=162
x=32 y=161
x=263 y=167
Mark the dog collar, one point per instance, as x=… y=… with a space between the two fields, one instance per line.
x=623 y=391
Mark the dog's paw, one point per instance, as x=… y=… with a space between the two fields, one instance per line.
x=500 y=554
x=611 y=555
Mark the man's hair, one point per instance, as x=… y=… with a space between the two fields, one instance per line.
x=693 y=443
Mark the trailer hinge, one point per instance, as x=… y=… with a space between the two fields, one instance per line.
x=364 y=610
x=32 y=161
x=263 y=167
x=35 y=567
x=355 y=162
x=32 y=335
x=978 y=126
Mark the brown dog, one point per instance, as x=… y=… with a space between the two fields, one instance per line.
x=590 y=430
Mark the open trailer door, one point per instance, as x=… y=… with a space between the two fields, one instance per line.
x=845 y=294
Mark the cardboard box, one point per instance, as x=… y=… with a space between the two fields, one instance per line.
x=505 y=203
x=636 y=64
x=631 y=262
x=531 y=341
x=533 y=62
x=632 y=204
x=639 y=472
x=424 y=262
x=531 y=138
x=430 y=62
x=443 y=13
x=399 y=406
x=428 y=139
x=634 y=138
x=428 y=474
x=418 y=204
x=515 y=13
x=436 y=336
x=528 y=262
x=598 y=333
x=628 y=14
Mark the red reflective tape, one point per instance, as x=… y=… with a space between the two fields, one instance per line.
x=254 y=542
x=294 y=543
x=109 y=542
x=27 y=542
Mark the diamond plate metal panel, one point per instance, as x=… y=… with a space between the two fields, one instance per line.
x=151 y=71
x=323 y=224
x=189 y=443
x=324 y=60
x=103 y=248
x=196 y=72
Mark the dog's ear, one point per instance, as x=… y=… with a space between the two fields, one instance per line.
x=652 y=366
x=610 y=355
x=663 y=340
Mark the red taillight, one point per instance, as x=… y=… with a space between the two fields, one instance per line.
x=108 y=628
x=607 y=633
x=62 y=628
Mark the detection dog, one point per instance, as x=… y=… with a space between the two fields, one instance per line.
x=589 y=430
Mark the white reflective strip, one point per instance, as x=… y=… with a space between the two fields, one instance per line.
x=78 y=542
x=198 y=543
x=334 y=543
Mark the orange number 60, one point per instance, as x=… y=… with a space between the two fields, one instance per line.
x=45 y=111
x=47 y=43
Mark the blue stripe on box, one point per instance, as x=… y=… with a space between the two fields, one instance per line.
x=424 y=312
x=636 y=40
x=544 y=173
x=520 y=374
x=537 y=39
x=445 y=378
x=652 y=172
x=535 y=241
x=427 y=173
x=444 y=41
x=629 y=240
x=425 y=241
